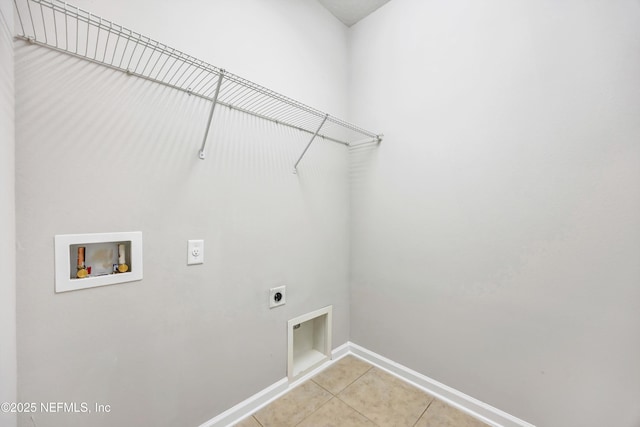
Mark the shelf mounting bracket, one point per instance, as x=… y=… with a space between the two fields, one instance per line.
x=202 y=154
x=295 y=167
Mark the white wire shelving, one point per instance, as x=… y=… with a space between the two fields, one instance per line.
x=60 y=26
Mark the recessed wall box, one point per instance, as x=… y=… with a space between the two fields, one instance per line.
x=309 y=341
x=89 y=260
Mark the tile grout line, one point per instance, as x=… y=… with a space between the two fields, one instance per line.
x=441 y=392
x=335 y=396
x=375 y=424
x=425 y=410
x=318 y=408
x=314 y=411
x=320 y=385
x=367 y=418
x=349 y=385
x=370 y=368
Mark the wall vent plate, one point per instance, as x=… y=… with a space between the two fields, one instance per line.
x=277 y=296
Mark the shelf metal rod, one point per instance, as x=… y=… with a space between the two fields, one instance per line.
x=44 y=24
x=122 y=49
x=295 y=167
x=377 y=140
x=19 y=17
x=202 y=154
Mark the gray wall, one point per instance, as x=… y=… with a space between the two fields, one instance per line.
x=99 y=151
x=496 y=230
x=8 y=368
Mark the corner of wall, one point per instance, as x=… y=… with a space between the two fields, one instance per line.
x=8 y=358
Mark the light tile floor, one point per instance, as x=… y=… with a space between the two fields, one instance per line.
x=352 y=393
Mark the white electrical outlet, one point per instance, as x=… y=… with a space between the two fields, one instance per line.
x=195 y=252
x=277 y=296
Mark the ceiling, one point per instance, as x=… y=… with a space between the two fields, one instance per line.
x=351 y=11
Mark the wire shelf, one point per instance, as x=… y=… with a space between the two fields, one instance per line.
x=69 y=29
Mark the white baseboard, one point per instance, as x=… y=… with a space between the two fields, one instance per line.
x=261 y=399
x=249 y=406
x=340 y=352
x=468 y=404
x=465 y=403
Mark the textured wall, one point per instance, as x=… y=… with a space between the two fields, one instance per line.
x=7 y=216
x=496 y=230
x=99 y=151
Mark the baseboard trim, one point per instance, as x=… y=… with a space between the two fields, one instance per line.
x=468 y=404
x=261 y=399
x=340 y=352
x=465 y=403
x=249 y=406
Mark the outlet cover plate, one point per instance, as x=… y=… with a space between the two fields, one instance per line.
x=195 y=252
x=273 y=302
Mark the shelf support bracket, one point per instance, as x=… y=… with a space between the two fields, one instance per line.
x=377 y=140
x=202 y=154
x=295 y=167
